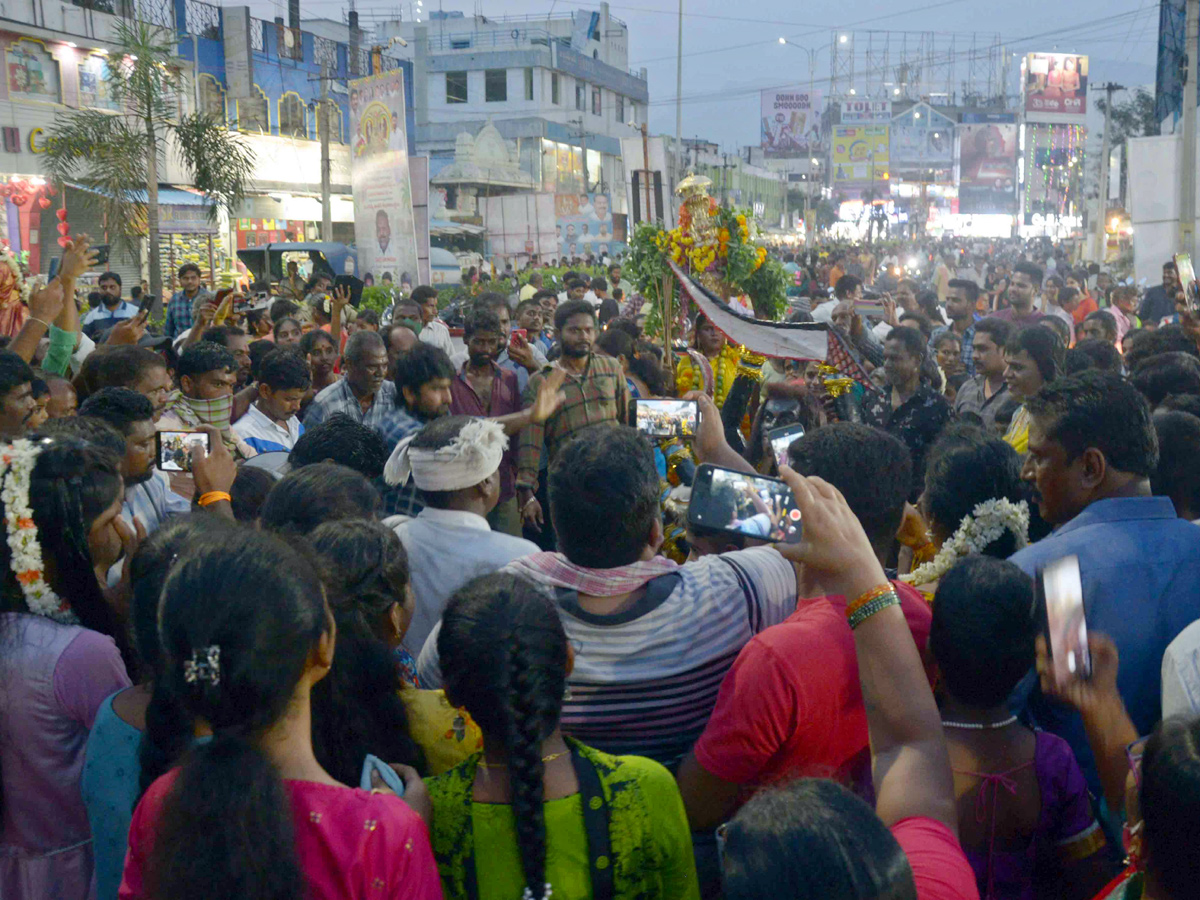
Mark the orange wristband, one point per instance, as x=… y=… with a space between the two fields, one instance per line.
x=213 y=497
x=873 y=594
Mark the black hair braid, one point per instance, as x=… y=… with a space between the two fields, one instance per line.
x=168 y=734
x=526 y=770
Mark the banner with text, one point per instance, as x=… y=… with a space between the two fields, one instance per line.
x=1056 y=86
x=384 y=228
x=866 y=112
x=987 y=164
x=791 y=122
x=860 y=154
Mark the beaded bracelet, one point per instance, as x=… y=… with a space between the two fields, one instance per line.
x=879 y=604
x=864 y=599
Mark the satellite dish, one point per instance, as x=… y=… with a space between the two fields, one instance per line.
x=289 y=39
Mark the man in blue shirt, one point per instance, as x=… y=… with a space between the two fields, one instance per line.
x=112 y=308
x=1159 y=302
x=1092 y=449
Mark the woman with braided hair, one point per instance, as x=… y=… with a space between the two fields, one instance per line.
x=536 y=814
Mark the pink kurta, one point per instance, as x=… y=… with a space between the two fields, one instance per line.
x=350 y=843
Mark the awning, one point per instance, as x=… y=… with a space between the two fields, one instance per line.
x=167 y=194
x=441 y=226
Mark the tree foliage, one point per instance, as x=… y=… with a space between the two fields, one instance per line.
x=1131 y=117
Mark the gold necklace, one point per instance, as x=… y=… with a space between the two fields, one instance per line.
x=545 y=759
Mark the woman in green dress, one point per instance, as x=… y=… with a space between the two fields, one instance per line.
x=536 y=814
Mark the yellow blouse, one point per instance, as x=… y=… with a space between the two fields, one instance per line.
x=447 y=735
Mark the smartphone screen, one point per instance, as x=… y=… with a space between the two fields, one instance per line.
x=175 y=449
x=1187 y=278
x=781 y=439
x=739 y=503
x=666 y=418
x=1063 y=589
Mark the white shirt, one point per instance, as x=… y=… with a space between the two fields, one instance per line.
x=824 y=311
x=266 y=435
x=1181 y=674
x=438 y=334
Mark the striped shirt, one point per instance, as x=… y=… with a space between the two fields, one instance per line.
x=266 y=435
x=646 y=679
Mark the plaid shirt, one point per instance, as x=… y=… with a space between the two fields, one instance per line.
x=596 y=396
x=181 y=312
x=338 y=398
x=405 y=499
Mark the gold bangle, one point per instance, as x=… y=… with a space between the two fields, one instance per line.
x=873 y=594
x=213 y=497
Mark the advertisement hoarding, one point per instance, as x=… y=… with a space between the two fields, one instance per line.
x=791 y=122
x=860 y=154
x=384 y=229
x=866 y=112
x=584 y=223
x=987 y=164
x=1056 y=86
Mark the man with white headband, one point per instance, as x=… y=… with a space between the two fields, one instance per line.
x=455 y=464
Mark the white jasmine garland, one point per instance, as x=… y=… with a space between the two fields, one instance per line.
x=987 y=522
x=18 y=460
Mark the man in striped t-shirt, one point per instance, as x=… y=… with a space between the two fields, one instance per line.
x=652 y=639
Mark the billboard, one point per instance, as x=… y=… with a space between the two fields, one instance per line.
x=987 y=164
x=791 y=122
x=1056 y=85
x=860 y=154
x=584 y=223
x=921 y=149
x=384 y=225
x=866 y=112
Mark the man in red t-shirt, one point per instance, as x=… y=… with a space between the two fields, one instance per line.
x=791 y=706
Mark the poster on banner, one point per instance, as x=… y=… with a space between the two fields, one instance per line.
x=866 y=112
x=1056 y=84
x=584 y=223
x=791 y=122
x=384 y=223
x=860 y=154
x=987 y=166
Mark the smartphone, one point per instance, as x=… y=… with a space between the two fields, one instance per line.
x=1187 y=280
x=666 y=418
x=146 y=304
x=781 y=439
x=519 y=332
x=873 y=308
x=101 y=254
x=222 y=314
x=175 y=449
x=1062 y=589
x=743 y=504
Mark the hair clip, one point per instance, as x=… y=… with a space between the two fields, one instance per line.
x=205 y=665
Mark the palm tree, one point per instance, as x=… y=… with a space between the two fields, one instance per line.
x=116 y=155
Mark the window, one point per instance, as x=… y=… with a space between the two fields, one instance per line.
x=32 y=72
x=292 y=118
x=620 y=108
x=94 y=89
x=595 y=101
x=529 y=84
x=252 y=113
x=335 y=122
x=580 y=95
x=212 y=98
x=554 y=98
x=495 y=85
x=456 y=87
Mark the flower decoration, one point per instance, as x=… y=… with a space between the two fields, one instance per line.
x=988 y=521
x=14 y=288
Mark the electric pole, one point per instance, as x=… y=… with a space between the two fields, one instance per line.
x=326 y=179
x=679 y=99
x=1187 y=165
x=1102 y=205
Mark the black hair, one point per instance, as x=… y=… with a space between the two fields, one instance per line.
x=202 y=357
x=313 y=281
x=360 y=344
x=947 y=335
x=1006 y=410
x=259 y=350
x=14 y=372
x=225 y=827
x=615 y=342
x=504 y=654
x=1061 y=330
x=1188 y=403
x=109 y=276
x=968 y=466
x=322 y=492
x=1170 y=804
x=308 y=340
x=967 y=286
x=566 y=311
x=283 y=308
x=89 y=429
x=846 y=285
x=422 y=293
x=1103 y=355
x=249 y=492
x=356 y=708
x=38 y=387
x=281 y=322
x=813 y=840
x=646 y=364
x=871 y=468
x=220 y=334
x=119 y=407
x=190 y=267
x=340 y=439
x=1106 y=320
x=626 y=324
x=599 y=284
x=1044 y=347
x=928 y=303
x=490 y=300
x=1075 y=362
x=920 y=324
x=983 y=630
x=532 y=302
x=609 y=310
x=368 y=316
x=1034 y=272
x=913 y=341
x=998 y=330
x=544 y=295
x=1165 y=339
x=604 y=493
x=1168 y=373
x=481 y=318
x=1176 y=475
x=1101 y=410
x=284 y=369
x=419 y=366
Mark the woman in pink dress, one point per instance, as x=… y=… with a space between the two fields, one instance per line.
x=246 y=634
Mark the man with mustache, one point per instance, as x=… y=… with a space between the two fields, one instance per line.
x=16 y=396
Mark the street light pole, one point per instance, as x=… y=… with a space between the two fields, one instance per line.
x=812 y=160
x=679 y=100
x=1102 y=204
x=1187 y=165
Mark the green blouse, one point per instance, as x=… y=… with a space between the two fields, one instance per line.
x=651 y=842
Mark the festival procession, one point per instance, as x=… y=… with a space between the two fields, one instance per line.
x=599 y=452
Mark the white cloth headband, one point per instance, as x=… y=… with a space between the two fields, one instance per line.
x=467 y=460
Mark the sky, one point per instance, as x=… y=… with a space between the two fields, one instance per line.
x=731 y=50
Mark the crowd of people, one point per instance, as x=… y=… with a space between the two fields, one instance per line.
x=304 y=601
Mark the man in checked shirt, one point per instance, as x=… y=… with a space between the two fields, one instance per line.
x=595 y=393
